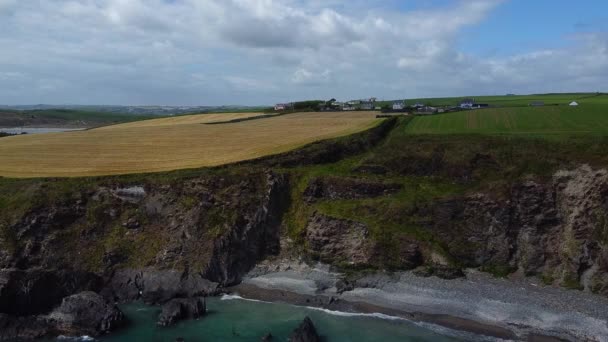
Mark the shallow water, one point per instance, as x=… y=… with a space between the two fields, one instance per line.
x=234 y=320
x=37 y=130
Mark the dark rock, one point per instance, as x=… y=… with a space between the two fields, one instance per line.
x=86 y=313
x=132 y=223
x=372 y=169
x=236 y=253
x=181 y=309
x=306 y=332
x=23 y=328
x=267 y=338
x=157 y=287
x=335 y=188
x=440 y=271
x=36 y=291
x=344 y=285
x=336 y=240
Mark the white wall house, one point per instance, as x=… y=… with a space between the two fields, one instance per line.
x=467 y=103
x=398 y=105
x=282 y=106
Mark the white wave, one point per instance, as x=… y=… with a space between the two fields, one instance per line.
x=441 y=330
x=357 y=314
x=78 y=339
x=237 y=297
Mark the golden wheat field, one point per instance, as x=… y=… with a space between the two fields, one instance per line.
x=170 y=143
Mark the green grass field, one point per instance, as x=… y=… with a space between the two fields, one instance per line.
x=587 y=119
x=515 y=100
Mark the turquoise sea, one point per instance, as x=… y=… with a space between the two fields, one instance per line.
x=233 y=319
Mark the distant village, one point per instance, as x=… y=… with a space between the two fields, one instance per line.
x=372 y=104
x=400 y=106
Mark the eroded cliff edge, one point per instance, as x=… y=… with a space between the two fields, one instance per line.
x=376 y=201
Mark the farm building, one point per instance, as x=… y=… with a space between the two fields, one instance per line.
x=368 y=104
x=282 y=106
x=418 y=105
x=399 y=105
x=337 y=105
x=467 y=103
x=573 y=104
x=426 y=110
x=537 y=104
x=480 y=105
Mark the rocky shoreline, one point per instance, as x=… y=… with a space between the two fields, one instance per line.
x=500 y=309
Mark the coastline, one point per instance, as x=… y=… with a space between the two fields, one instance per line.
x=499 y=309
x=252 y=292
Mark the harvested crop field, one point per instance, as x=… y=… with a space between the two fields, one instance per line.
x=170 y=143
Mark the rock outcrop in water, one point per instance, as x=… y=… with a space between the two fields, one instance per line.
x=306 y=332
x=179 y=309
x=86 y=313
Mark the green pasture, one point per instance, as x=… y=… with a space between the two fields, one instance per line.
x=587 y=119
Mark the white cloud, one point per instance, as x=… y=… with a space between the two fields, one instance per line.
x=304 y=76
x=209 y=51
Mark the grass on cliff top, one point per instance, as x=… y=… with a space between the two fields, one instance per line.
x=518 y=100
x=170 y=144
x=432 y=167
x=587 y=119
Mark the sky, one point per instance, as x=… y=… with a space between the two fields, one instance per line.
x=260 y=52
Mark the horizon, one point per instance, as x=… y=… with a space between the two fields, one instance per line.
x=270 y=105
x=211 y=52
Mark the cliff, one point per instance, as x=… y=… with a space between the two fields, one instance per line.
x=378 y=200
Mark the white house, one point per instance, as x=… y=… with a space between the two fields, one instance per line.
x=399 y=105
x=467 y=103
x=367 y=105
x=282 y=106
x=573 y=104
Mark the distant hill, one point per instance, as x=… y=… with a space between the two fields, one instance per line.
x=94 y=116
x=63 y=118
x=140 y=110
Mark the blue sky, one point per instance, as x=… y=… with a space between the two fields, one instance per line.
x=518 y=26
x=212 y=52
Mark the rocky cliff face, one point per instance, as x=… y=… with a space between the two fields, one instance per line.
x=554 y=229
x=155 y=242
x=252 y=237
